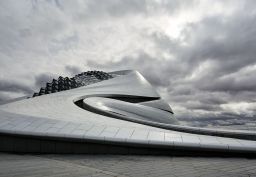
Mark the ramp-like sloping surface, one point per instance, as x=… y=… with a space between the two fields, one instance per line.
x=54 y=118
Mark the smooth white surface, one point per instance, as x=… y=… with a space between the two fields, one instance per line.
x=56 y=115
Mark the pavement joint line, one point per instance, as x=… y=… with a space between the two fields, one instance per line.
x=125 y=166
x=83 y=166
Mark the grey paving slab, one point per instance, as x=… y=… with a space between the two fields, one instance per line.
x=140 y=134
x=43 y=127
x=107 y=134
x=173 y=137
x=124 y=133
x=190 y=139
x=4 y=123
x=34 y=166
x=95 y=131
x=68 y=128
x=59 y=124
x=52 y=130
x=79 y=132
x=85 y=126
x=156 y=136
x=152 y=166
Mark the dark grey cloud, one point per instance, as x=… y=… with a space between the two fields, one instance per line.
x=158 y=72
x=121 y=8
x=73 y=70
x=207 y=72
x=231 y=84
x=4 y=98
x=14 y=86
x=10 y=89
x=214 y=68
x=42 y=79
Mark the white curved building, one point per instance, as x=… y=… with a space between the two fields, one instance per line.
x=116 y=113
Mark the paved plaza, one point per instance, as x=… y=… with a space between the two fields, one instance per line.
x=12 y=165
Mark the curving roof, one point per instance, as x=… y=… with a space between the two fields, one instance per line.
x=119 y=108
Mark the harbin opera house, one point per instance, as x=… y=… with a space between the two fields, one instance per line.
x=108 y=113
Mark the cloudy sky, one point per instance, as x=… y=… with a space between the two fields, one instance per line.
x=201 y=55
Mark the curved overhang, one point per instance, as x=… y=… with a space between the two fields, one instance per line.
x=122 y=111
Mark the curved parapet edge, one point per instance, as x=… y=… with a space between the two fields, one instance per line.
x=53 y=123
x=40 y=143
x=114 y=113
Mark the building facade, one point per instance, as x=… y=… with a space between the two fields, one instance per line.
x=109 y=113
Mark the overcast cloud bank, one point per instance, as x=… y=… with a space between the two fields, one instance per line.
x=199 y=54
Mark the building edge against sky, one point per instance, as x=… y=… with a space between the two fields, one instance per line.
x=114 y=113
